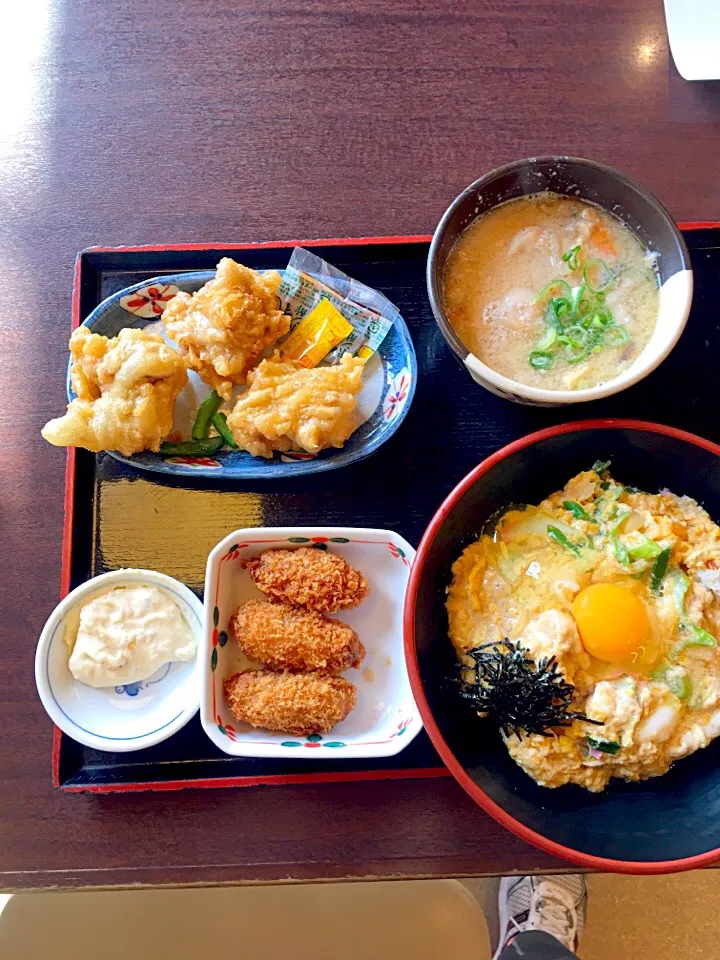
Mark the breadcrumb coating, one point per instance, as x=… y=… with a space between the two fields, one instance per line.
x=296 y=703
x=310 y=578
x=288 y=638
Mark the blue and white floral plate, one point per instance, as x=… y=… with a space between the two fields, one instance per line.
x=128 y=717
x=389 y=386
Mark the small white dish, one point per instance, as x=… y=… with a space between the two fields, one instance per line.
x=123 y=718
x=385 y=719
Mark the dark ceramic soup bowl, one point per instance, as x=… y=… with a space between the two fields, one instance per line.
x=606 y=188
x=656 y=826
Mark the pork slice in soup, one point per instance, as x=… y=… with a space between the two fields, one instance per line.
x=552 y=292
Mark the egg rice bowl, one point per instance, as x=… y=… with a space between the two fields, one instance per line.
x=615 y=594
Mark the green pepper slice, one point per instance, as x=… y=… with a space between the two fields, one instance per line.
x=191 y=448
x=219 y=421
x=203 y=418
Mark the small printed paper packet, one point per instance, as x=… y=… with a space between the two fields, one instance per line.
x=319 y=297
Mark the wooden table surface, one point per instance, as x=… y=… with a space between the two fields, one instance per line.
x=199 y=120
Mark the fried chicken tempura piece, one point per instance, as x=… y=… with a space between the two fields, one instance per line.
x=289 y=407
x=287 y=638
x=307 y=577
x=126 y=388
x=223 y=327
x=296 y=703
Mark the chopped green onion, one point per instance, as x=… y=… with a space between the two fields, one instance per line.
x=680 y=588
x=695 y=637
x=206 y=411
x=616 y=336
x=600 y=466
x=674 y=678
x=578 y=357
x=659 y=569
x=622 y=514
x=579 y=512
x=571 y=258
x=547 y=340
x=604 y=316
x=555 y=311
x=541 y=360
x=578 y=318
x=604 y=746
x=562 y=288
x=559 y=537
x=576 y=334
x=605 y=485
x=621 y=552
x=593 y=321
x=601 y=274
x=643 y=548
x=575 y=349
x=575 y=299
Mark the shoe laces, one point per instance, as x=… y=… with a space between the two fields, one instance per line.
x=552 y=913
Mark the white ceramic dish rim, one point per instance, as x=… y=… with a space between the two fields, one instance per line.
x=240 y=749
x=679 y=287
x=56 y=714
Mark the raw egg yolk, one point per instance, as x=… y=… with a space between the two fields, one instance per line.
x=612 y=621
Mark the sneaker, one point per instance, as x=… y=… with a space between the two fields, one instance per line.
x=553 y=904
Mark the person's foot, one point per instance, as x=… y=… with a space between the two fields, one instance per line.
x=553 y=904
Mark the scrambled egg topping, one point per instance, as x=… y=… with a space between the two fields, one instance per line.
x=641 y=655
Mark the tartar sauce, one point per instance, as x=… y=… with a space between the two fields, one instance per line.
x=126 y=634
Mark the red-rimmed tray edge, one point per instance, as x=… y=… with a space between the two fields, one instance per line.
x=65 y=574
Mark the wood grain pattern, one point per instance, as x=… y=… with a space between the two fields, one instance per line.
x=196 y=120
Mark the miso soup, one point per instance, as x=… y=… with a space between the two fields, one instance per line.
x=552 y=292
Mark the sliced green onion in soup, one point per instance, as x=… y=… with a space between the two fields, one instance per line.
x=598 y=275
x=554 y=312
x=547 y=340
x=576 y=334
x=571 y=257
x=576 y=297
x=576 y=343
x=602 y=315
x=577 y=357
x=541 y=360
x=556 y=288
x=615 y=336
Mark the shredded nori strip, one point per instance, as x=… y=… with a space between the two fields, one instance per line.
x=518 y=694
